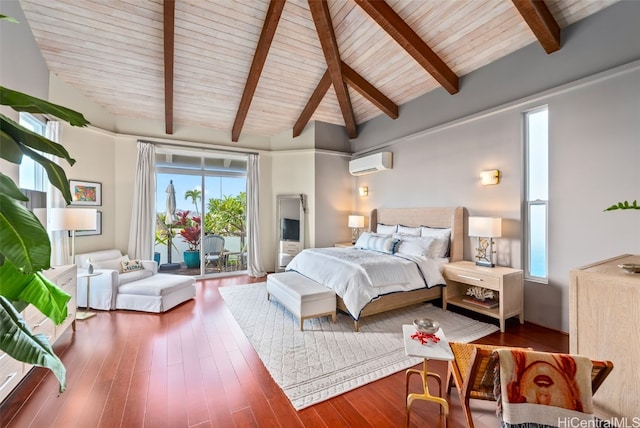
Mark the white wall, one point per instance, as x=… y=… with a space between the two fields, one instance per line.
x=334 y=198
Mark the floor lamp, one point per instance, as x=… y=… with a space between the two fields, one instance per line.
x=73 y=219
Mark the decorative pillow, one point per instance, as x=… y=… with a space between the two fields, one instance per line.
x=113 y=264
x=411 y=231
x=131 y=265
x=416 y=246
x=386 y=229
x=377 y=242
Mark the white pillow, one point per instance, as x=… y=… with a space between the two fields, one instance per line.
x=443 y=240
x=411 y=231
x=416 y=246
x=434 y=232
x=386 y=229
x=377 y=242
x=113 y=264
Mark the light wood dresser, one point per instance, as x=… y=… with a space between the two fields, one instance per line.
x=604 y=324
x=13 y=371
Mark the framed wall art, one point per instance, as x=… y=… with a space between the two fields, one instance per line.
x=97 y=231
x=85 y=192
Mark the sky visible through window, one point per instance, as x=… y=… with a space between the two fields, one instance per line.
x=538 y=189
x=215 y=187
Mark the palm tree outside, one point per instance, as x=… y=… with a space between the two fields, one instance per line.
x=195 y=195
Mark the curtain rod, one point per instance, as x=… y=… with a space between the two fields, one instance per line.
x=157 y=143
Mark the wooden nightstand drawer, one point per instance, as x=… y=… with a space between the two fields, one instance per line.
x=10 y=374
x=474 y=279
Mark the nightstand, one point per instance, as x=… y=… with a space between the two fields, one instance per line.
x=508 y=282
x=344 y=245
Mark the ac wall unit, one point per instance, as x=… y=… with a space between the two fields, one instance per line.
x=371 y=163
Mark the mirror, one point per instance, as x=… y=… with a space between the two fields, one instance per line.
x=290 y=218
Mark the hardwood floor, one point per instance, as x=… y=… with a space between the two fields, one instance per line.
x=193 y=367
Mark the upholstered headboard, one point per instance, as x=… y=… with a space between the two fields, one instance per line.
x=452 y=217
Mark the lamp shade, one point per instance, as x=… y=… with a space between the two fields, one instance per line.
x=356 y=221
x=73 y=219
x=486 y=227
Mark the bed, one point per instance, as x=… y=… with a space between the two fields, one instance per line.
x=386 y=296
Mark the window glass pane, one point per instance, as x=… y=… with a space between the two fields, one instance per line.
x=31 y=175
x=538 y=155
x=538 y=240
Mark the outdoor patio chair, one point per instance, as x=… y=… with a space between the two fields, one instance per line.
x=213 y=249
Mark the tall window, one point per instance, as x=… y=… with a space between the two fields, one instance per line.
x=32 y=175
x=537 y=192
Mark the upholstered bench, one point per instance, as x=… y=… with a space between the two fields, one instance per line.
x=302 y=296
x=157 y=293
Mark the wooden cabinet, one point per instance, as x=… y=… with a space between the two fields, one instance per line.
x=507 y=282
x=603 y=325
x=12 y=371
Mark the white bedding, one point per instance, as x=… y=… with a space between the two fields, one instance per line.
x=359 y=276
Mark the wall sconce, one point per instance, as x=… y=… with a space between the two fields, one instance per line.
x=485 y=229
x=363 y=190
x=356 y=223
x=490 y=177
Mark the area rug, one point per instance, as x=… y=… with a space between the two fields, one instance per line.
x=326 y=359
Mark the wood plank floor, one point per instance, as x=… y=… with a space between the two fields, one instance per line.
x=193 y=367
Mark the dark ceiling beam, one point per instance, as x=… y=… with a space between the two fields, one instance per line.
x=169 y=42
x=312 y=104
x=539 y=18
x=260 y=56
x=400 y=31
x=369 y=91
x=324 y=28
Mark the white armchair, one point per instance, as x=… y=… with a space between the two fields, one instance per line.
x=104 y=287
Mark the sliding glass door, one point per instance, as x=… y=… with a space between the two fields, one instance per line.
x=204 y=231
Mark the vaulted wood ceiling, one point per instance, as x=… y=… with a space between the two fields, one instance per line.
x=262 y=67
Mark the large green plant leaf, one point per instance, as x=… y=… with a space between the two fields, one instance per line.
x=9 y=148
x=23 y=102
x=34 y=140
x=35 y=289
x=9 y=188
x=25 y=243
x=56 y=175
x=20 y=343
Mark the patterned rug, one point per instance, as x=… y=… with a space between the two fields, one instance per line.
x=326 y=359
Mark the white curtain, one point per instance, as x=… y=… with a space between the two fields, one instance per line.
x=143 y=216
x=59 y=238
x=254 y=261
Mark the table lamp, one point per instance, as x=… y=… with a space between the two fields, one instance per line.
x=356 y=223
x=485 y=229
x=73 y=219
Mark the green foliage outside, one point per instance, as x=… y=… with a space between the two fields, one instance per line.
x=26 y=251
x=227 y=216
x=195 y=195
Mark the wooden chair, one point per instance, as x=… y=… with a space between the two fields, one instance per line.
x=472 y=370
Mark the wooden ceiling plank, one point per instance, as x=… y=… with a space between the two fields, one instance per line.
x=266 y=37
x=400 y=31
x=169 y=41
x=369 y=91
x=539 y=18
x=322 y=20
x=312 y=104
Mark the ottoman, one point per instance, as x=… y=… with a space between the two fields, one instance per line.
x=158 y=293
x=302 y=296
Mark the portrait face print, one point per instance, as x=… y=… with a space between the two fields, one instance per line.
x=542 y=383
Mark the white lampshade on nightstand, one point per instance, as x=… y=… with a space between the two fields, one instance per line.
x=485 y=229
x=356 y=223
x=73 y=219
